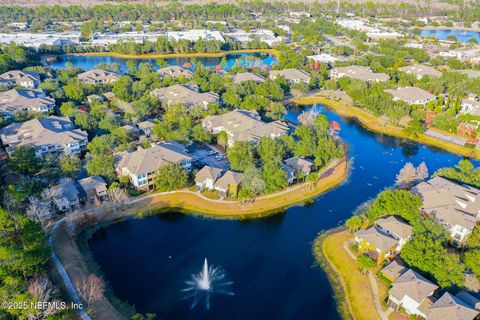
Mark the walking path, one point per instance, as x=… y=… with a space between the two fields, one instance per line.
x=373 y=283
x=72 y=292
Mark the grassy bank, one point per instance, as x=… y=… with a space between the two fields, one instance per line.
x=177 y=55
x=353 y=291
x=374 y=124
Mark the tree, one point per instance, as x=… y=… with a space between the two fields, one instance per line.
x=74 y=91
x=71 y=165
x=252 y=183
x=24 y=160
x=171 y=176
x=274 y=176
x=414 y=128
x=91 y=289
x=409 y=175
x=41 y=209
x=271 y=149
x=464 y=171
x=312 y=179
x=222 y=139
x=472 y=261
x=354 y=223
x=102 y=165
x=200 y=134
x=122 y=88
x=241 y=155
x=399 y=202
x=364 y=263
x=473 y=240
x=326 y=150
x=307 y=141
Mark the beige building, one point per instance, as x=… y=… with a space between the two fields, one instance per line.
x=247 y=76
x=455 y=206
x=182 y=94
x=450 y=307
x=54 y=134
x=175 y=72
x=141 y=165
x=420 y=71
x=244 y=125
x=358 y=72
x=411 y=95
x=291 y=75
x=26 y=79
x=98 y=76
x=25 y=100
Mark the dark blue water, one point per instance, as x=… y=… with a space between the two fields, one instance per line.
x=462 y=35
x=248 y=60
x=147 y=261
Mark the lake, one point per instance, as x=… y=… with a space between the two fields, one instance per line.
x=441 y=34
x=247 y=60
x=147 y=261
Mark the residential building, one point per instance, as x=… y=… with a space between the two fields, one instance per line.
x=378 y=244
x=421 y=71
x=411 y=292
x=108 y=38
x=54 y=134
x=455 y=206
x=450 y=307
x=36 y=40
x=244 y=125
x=229 y=183
x=291 y=75
x=146 y=127
x=66 y=195
x=300 y=164
x=175 y=72
x=195 y=35
x=289 y=171
x=247 y=76
x=358 y=72
x=206 y=177
x=393 y=270
x=98 y=76
x=471 y=105
x=141 y=165
x=25 y=100
x=182 y=94
x=325 y=58
x=263 y=35
x=411 y=95
x=395 y=227
x=26 y=79
x=93 y=189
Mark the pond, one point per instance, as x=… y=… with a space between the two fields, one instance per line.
x=147 y=261
x=248 y=60
x=441 y=34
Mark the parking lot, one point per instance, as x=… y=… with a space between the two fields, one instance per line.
x=208 y=156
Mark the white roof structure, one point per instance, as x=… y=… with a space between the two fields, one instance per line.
x=36 y=40
x=195 y=35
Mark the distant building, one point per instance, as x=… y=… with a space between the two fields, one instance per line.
x=244 y=125
x=300 y=164
x=54 y=134
x=98 y=76
x=291 y=75
x=25 y=100
x=36 y=40
x=229 y=183
x=262 y=35
x=66 y=195
x=421 y=71
x=358 y=72
x=108 y=38
x=393 y=270
x=195 y=35
x=141 y=165
x=26 y=79
x=182 y=94
x=247 y=76
x=471 y=105
x=455 y=206
x=94 y=189
x=206 y=177
x=175 y=72
x=411 y=291
x=411 y=95
x=325 y=58
x=395 y=227
x=146 y=127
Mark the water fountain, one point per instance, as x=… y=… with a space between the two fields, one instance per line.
x=211 y=280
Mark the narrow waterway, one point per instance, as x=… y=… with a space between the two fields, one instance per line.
x=146 y=261
x=463 y=36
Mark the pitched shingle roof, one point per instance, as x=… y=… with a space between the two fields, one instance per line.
x=377 y=238
x=413 y=285
x=395 y=226
x=449 y=307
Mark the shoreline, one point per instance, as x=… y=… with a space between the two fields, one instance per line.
x=68 y=248
x=372 y=123
x=446 y=28
x=174 y=55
